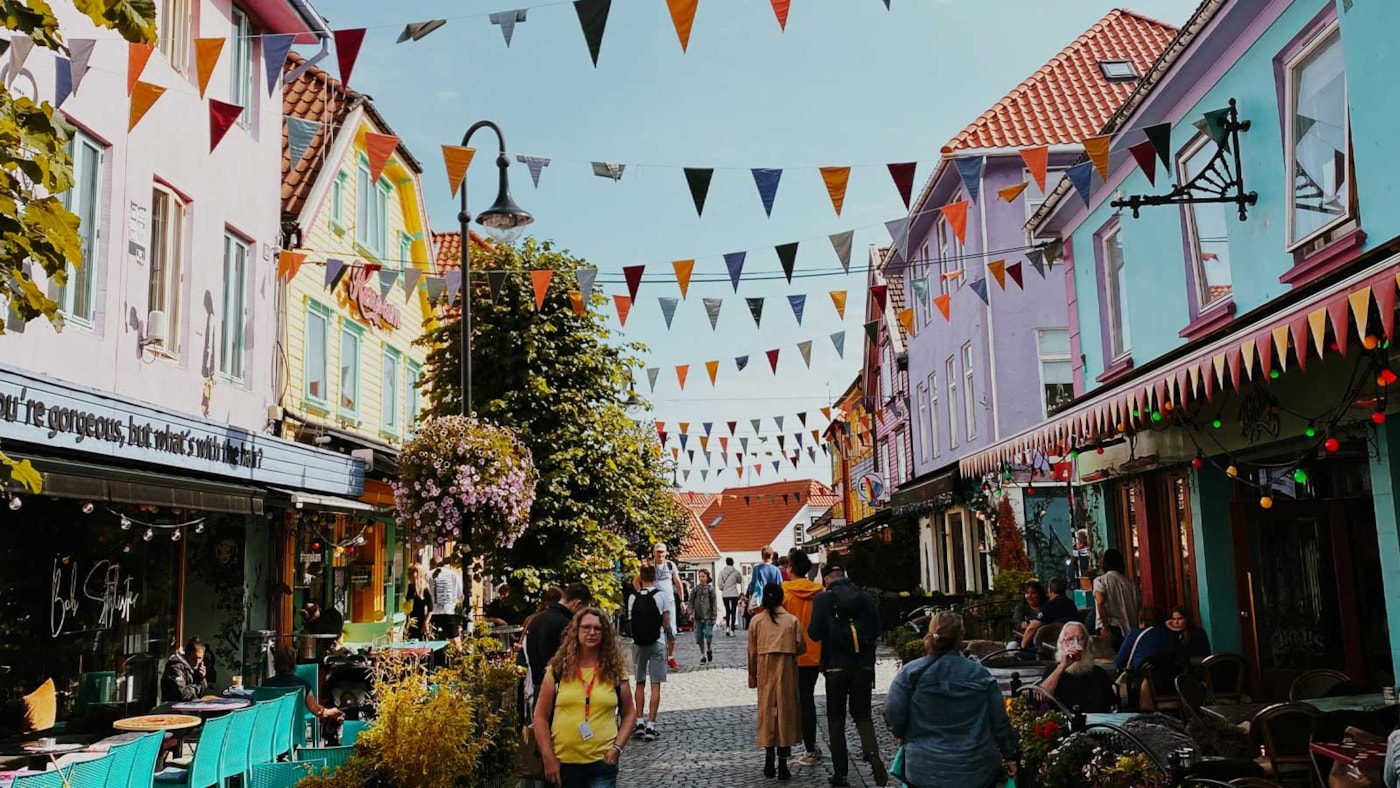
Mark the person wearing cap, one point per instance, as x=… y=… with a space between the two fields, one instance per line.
x=668 y=581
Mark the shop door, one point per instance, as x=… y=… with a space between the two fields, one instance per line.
x=1304 y=573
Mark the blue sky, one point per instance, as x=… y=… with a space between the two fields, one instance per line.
x=848 y=84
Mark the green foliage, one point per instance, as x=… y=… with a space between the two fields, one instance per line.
x=898 y=636
x=558 y=379
x=1008 y=586
x=911 y=650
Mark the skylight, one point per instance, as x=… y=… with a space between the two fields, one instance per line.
x=1118 y=70
x=716 y=521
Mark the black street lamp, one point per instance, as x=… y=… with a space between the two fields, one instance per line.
x=503 y=214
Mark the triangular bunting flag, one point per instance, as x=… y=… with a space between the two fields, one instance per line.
x=899 y=231
x=805 y=348
x=826 y=414
x=706 y=426
x=495 y=280
x=1014 y=270
x=300 y=133
x=683 y=269
x=347 y=51
x=1036 y=258
x=20 y=47
x=577 y=302
x=1160 y=136
x=1097 y=148
x=334 y=270
x=80 y=51
x=536 y=165
x=836 y=179
x=906 y=319
x=773 y=360
x=798 y=304
x=1341 y=330
x=387 y=278
x=802 y=417
x=509 y=19
x=787 y=256
x=1037 y=162
x=838 y=341
x=604 y=169
x=1317 y=323
x=780 y=9
x=586 y=277
x=698 y=178
x=757 y=423
x=668 y=309
x=457 y=159
x=1010 y=193
x=221 y=118
x=979 y=287
x=920 y=288
x=767 y=182
x=62 y=79
x=682 y=370
x=137 y=55
x=838 y=300
x=378 y=149
x=998 y=270
x=872 y=332
x=1215 y=127
x=623 y=304
x=712 y=306
x=275 y=48
x=1080 y=176
x=683 y=17
x=778 y=420
x=842 y=242
x=410 y=281
x=633 y=275
x=288 y=263
x=944 y=304
x=206 y=57
x=879 y=293
x=453 y=281
x=956 y=216
x=541 y=279
x=593 y=18
x=970 y=170
x=435 y=286
x=1146 y=157
x=903 y=175
x=652 y=374
x=756 y=309
x=740 y=362
x=734 y=261
x=417 y=31
x=712 y=367
x=142 y=98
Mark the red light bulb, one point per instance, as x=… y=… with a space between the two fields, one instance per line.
x=1030 y=491
x=1197 y=462
x=1388 y=377
x=1099 y=450
x=1331 y=444
x=1378 y=417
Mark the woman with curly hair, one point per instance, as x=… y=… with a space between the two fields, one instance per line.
x=585 y=691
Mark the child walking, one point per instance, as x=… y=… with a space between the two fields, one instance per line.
x=706 y=610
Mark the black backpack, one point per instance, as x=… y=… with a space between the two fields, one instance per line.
x=850 y=631
x=646 y=618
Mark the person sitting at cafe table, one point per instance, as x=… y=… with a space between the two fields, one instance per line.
x=1150 y=641
x=1074 y=679
x=284 y=666
x=1193 y=639
x=503 y=611
x=186 y=677
x=322 y=622
x=1059 y=609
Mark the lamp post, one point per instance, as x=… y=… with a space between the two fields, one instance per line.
x=503 y=214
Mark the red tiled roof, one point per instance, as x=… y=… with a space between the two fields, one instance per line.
x=753 y=516
x=697 y=502
x=696 y=546
x=1068 y=99
x=449 y=250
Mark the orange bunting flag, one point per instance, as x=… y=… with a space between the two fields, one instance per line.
x=944 y=304
x=712 y=367
x=683 y=16
x=1097 y=148
x=143 y=96
x=906 y=319
x=576 y=298
x=378 y=148
x=998 y=270
x=136 y=57
x=1010 y=193
x=838 y=299
x=624 y=306
x=681 y=371
x=1037 y=160
x=836 y=179
x=206 y=56
x=956 y=216
x=541 y=280
x=457 y=159
x=781 y=8
x=951 y=275
x=683 y=270
x=288 y=263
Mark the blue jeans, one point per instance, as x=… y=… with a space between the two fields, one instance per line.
x=704 y=631
x=588 y=775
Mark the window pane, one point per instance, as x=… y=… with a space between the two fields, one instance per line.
x=389 y=395
x=362 y=203
x=232 y=327
x=1058 y=378
x=1207 y=226
x=1117 y=297
x=160 y=209
x=241 y=66
x=316 y=356
x=1321 y=165
x=349 y=371
x=412 y=400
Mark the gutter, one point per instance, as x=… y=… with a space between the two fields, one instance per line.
x=311 y=17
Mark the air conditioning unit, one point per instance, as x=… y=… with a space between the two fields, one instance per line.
x=157 y=328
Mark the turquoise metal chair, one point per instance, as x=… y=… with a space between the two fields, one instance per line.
x=262 y=746
x=312 y=673
x=350 y=731
x=123 y=756
x=45 y=780
x=283 y=775
x=89 y=774
x=335 y=757
x=233 y=762
x=204 y=769
x=145 y=755
x=290 y=733
x=96 y=687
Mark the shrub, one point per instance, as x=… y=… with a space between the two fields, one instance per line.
x=898 y=636
x=911 y=651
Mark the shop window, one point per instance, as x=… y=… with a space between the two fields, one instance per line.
x=389 y=390
x=886 y=373
x=1056 y=368
x=351 y=337
x=318 y=319
x=235 y=312
x=77 y=298
x=412 y=400
x=167 y=252
x=1318 y=139
x=969 y=392
x=242 y=68
x=174 y=33
x=950 y=378
x=923 y=311
x=1207 y=243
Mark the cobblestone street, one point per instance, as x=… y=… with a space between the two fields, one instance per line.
x=707 y=729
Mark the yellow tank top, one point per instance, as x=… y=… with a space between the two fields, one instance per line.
x=569 y=745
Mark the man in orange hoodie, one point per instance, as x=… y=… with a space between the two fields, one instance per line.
x=798 y=595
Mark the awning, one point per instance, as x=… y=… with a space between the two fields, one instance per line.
x=298 y=499
x=939 y=483
x=72 y=479
x=1309 y=326
x=858 y=528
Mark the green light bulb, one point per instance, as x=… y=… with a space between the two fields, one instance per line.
x=1310 y=432
x=1273 y=374
x=1300 y=476
x=1156 y=415
x=1217 y=424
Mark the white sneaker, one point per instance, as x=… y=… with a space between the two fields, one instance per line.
x=649 y=734
x=813 y=758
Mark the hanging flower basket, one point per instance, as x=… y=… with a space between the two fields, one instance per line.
x=459 y=469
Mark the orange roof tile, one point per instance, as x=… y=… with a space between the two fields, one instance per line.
x=449 y=250
x=1068 y=99
x=696 y=545
x=697 y=502
x=745 y=519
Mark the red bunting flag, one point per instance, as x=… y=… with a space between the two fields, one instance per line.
x=378 y=149
x=633 y=274
x=1015 y=271
x=347 y=50
x=903 y=175
x=1145 y=154
x=682 y=370
x=879 y=294
x=773 y=360
x=221 y=118
x=624 y=307
x=780 y=8
x=956 y=216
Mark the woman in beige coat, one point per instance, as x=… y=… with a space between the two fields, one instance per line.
x=775 y=640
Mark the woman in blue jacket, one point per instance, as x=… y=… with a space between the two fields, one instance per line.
x=949 y=713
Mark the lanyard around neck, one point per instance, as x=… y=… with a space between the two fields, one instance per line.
x=587 y=692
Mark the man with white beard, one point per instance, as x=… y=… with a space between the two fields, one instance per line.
x=1074 y=679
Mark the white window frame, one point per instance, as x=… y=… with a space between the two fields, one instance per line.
x=1120 y=339
x=886 y=373
x=167 y=261
x=339 y=188
x=405 y=250
x=389 y=390
x=901 y=457
x=925 y=313
x=243 y=73
x=1194 y=253
x=232 y=343
x=935 y=430
x=174 y=19
x=84 y=200
x=371 y=211
x=944 y=234
x=317 y=311
x=413 y=404
x=924 y=415
x=349 y=380
x=950 y=372
x=969 y=392
x=1044 y=358
x=1327 y=35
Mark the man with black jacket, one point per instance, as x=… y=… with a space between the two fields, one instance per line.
x=546 y=629
x=847 y=624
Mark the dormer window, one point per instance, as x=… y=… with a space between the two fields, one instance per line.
x=1118 y=70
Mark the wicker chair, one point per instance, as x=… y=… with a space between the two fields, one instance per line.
x=1193 y=695
x=1286 y=731
x=1044 y=639
x=1316 y=684
x=1226 y=676
x=1041 y=699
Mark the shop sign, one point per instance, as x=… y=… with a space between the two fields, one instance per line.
x=360 y=576
x=870 y=488
x=361 y=289
x=103 y=584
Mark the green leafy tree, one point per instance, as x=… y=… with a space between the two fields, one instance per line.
x=35 y=169
x=559 y=380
